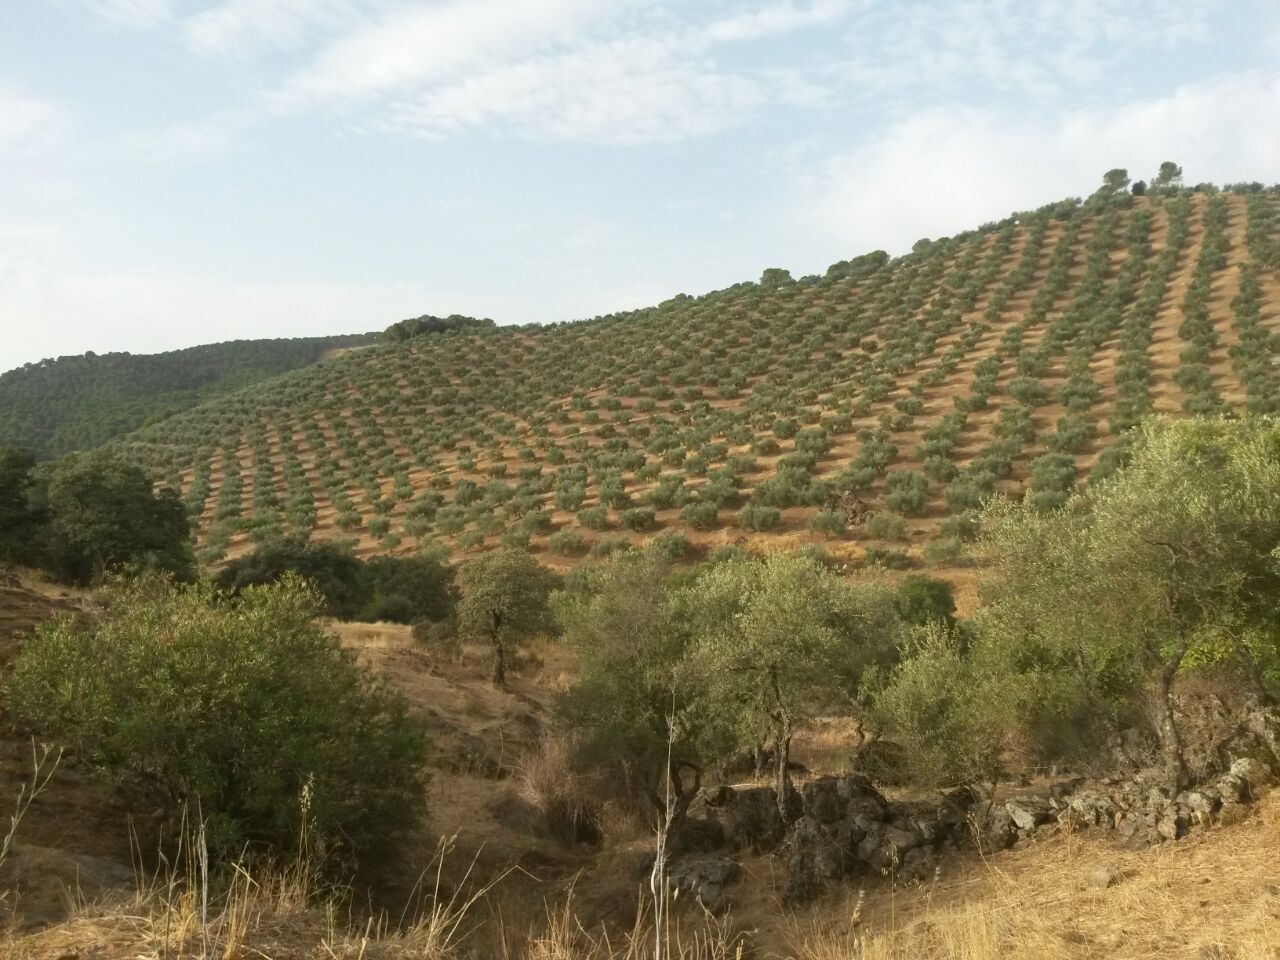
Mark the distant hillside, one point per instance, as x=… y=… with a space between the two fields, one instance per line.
x=868 y=411
x=76 y=402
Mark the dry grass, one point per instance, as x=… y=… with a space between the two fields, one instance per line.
x=1212 y=896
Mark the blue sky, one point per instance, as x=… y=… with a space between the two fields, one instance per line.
x=176 y=172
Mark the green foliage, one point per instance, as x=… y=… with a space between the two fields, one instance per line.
x=948 y=714
x=19 y=521
x=244 y=712
x=503 y=602
x=98 y=511
x=924 y=599
x=398 y=589
x=77 y=402
x=759 y=518
x=1169 y=562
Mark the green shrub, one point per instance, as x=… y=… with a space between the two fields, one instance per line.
x=830 y=523
x=245 y=709
x=889 y=559
x=884 y=526
x=908 y=491
x=700 y=516
x=759 y=518
x=636 y=519
x=921 y=599
x=594 y=518
x=670 y=545
x=565 y=542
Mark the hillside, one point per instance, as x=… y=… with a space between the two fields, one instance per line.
x=76 y=402
x=868 y=410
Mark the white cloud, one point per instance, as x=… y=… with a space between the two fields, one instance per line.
x=620 y=92
x=131 y=13
x=415 y=46
x=950 y=169
x=28 y=121
x=236 y=29
x=1038 y=47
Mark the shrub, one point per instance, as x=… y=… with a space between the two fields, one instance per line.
x=594 y=518
x=909 y=490
x=830 y=523
x=884 y=526
x=759 y=518
x=636 y=519
x=700 y=516
x=670 y=545
x=240 y=708
x=889 y=559
x=565 y=542
x=921 y=599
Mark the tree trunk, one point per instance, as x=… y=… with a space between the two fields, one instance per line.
x=1167 y=726
x=499 y=678
x=783 y=759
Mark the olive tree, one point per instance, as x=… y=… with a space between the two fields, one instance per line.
x=637 y=712
x=1167 y=562
x=503 y=601
x=774 y=641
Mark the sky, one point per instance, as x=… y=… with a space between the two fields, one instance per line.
x=175 y=172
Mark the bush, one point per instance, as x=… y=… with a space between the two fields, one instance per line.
x=921 y=599
x=670 y=545
x=636 y=519
x=565 y=542
x=884 y=526
x=398 y=589
x=830 y=523
x=245 y=709
x=889 y=559
x=700 y=516
x=594 y=518
x=759 y=518
x=909 y=490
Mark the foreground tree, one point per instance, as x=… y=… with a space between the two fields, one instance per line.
x=245 y=711
x=504 y=601
x=19 y=522
x=1169 y=561
x=775 y=641
x=638 y=714
x=101 y=511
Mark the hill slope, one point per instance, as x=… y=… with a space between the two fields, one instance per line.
x=871 y=408
x=76 y=402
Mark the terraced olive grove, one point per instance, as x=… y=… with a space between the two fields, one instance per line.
x=867 y=412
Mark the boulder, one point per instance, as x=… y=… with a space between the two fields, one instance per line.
x=1028 y=812
x=823 y=801
x=704 y=878
x=746 y=817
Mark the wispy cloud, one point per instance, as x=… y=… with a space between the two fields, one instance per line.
x=238 y=29
x=131 y=13
x=28 y=121
x=951 y=169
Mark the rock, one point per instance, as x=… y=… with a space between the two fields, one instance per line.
x=746 y=818
x=1203 y=803
x=1028 y=812
x=1091 y=809
x=1059 y=793
x=1253 y=772
x=956 y=807
x=823 y=801
x=705 y=879
x=1172 y=824
x=1000 y=831
x=1103 y=876
x=1232 y=788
